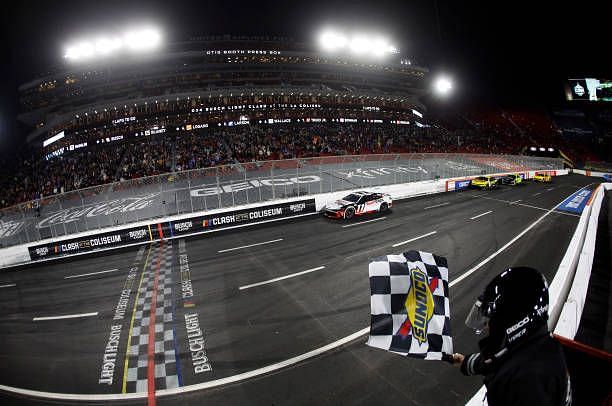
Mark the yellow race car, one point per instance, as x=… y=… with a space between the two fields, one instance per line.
x=512 y=179
x=484 y=182
x=542 y=177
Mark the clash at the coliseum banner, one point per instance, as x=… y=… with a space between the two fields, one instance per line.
x=169 y=229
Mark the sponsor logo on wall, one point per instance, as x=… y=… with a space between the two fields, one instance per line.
x=258 y=214
x=459 y=166
x=252 y=184
x=167 y=229
x=10 y=228
x=576 y=202
x=91 y=243
x=100 y=209
x=373 y=173
x=462 y=184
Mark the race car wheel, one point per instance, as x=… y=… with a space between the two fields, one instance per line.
x=349 y=213
x=384 y=207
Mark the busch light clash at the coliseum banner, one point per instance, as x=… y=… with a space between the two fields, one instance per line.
x=169 y=229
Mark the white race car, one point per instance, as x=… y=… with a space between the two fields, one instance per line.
x=357 y=204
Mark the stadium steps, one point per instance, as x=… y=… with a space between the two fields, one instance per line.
x=173 y=155
x=119 y=170
x=229 y=152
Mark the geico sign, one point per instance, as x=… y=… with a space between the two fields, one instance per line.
x=254 y=183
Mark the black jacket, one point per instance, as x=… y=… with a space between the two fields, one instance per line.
x=533 y=373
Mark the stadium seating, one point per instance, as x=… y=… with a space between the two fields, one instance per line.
x=494 y=132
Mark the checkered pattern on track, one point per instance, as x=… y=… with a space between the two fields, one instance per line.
x=166 y=376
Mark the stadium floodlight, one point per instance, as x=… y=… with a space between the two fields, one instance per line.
x=105 y=46
x=551 y=150
x=361 y=44
x=332 y=41
x=136 y=40
x=142 y=40
x=443 y=85
x=380 y=47
x=80 y=50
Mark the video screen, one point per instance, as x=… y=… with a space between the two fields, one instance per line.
x=589 y=89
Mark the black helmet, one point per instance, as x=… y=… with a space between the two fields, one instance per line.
x=513 y=305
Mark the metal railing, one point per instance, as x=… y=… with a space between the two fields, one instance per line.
x=237 y=184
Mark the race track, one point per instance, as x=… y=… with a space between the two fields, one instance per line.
x=240 y=327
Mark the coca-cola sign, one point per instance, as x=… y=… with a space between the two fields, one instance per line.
x=10 y=228
x=99 y=209
x=371 y=173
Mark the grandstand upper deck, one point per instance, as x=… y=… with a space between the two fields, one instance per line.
x=209 y=65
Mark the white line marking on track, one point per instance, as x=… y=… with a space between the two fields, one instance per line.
x=250 y=245
x=533 y=207
x=537 y=194
x=437 y=205
x=516 y=201
x=245 y=375
x=363 y=222
x=281 y=278
x=89 y=274
x=67 y=316
x=543 y=209
x=414 y=239
x=509 y=243
x=10 y=285
x=481 y=214
x=549 y=189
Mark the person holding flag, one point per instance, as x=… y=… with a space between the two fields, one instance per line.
x=521 y=362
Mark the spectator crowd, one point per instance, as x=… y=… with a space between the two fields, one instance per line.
x=30 y=176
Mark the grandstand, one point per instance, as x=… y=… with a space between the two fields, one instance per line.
x=137 y=111
x=214 y=81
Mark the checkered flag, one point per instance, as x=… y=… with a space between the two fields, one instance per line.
x=410 y=312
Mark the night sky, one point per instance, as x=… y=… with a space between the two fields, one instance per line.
x=512 y=54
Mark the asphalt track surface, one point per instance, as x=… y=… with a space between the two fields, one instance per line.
x=249 y=328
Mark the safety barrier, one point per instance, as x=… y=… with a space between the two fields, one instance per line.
x=571 y=312
x=591 y=173
x=229 y=186
x=188 y=224
x=206 y=222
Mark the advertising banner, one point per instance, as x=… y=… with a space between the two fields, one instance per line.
x=169 y=229
x=230 y=219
